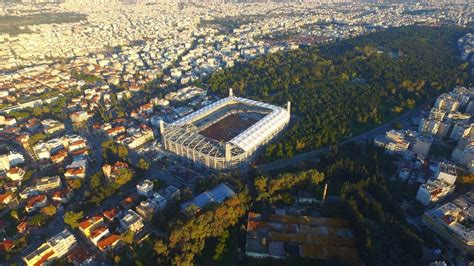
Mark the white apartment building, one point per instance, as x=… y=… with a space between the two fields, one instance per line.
x=462 y=130
x=62 y=242
x=446 y=171
x=56 y=247
x=433 y=191
x=51 y=126
x=453 y=221
x=393 y=142
x=145 y=188
x=138 y=137
x=48 y=183
x=79 y=117
x=447 y=102
x=434 y=127
x=131 y=221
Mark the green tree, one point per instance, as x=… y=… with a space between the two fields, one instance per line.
x=221 y=246
x=14 y=214
x=49 y=210
x=128 y=237
x=143 y=165
x=96 y=180
x=160 y=248
x=72 y=218
x=36 y=138
x=76 y=183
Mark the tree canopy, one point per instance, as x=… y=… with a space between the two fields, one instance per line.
x=72 y=218
x=347 y=87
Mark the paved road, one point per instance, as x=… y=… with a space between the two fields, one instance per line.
x=405 y=119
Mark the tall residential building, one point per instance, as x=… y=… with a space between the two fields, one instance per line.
x=453 y=221
x=462 y=130
x=393 y=142
x=447 y=103
x=422 y=145
x=434 y=127
x=145 y=188
x=446 y=171
x=433 y=191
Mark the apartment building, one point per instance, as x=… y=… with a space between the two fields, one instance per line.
x=56 y=247
x=88 y=225
x=48 y=183
x=393 y=142
x=453 y=221
x=131 y=221
x=433 y=191
x=145 y=188
x=51 y=126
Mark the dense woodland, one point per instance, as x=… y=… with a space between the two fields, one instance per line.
x=359 y=175
x=342 y=89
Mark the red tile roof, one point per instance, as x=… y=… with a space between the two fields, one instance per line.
x=108 y=241
x=44 y=258
x=6 y=245
x=87 y=223
x=98 y=231
x=110 y=214
x=32 y=201
x=5 y=197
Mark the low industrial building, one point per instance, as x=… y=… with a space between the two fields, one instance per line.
x=279 y=236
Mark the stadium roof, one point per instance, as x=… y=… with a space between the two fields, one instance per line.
x=252 y=136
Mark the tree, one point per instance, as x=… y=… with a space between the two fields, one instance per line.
x=261 y=184
x=348 y=87
x=71 y=218
x=143 y=165
x=128 y=237
x=467 y=179
x=112 y=151
x=76 y=183
x=314 y=177
x=49 y=210
x=14 y=215
x=123 y=177
x=27 y=175
x=37 y=220
x=160 y=248
x=36 y=138
x=96 y=180
x=187 y=239
x=221 y=245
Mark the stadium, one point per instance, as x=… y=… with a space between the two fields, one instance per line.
x=226 y=134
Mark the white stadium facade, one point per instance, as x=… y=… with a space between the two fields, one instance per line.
x=226 y=134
